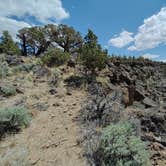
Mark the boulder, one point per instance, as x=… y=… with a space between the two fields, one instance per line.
x=125 y=77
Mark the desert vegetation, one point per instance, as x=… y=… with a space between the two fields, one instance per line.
x=13 y=119
x=118 y=146
x=122 y=118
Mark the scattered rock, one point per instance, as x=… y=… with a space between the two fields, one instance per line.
x=40 y=106
x=56 y=104
x=18 y=90
x=21 y=102
x=69 y=92
x=75 y=81
x=13 y=60
x=41 y=71
x=52 y=91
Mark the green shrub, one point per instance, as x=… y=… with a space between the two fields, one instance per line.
x=7 y=90
x=2 y=58
x=93 y=58
x=118 y=147
x=55 y=77
x=38 y=61
x=15 y=156
x=4 y=69
x=55 y=57
x=23 y=68
x=7 y=44
x=13 y=119
x=102 y=107
x=92 y=55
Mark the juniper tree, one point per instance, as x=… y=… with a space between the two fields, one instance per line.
x=7 y=44
x=92 y=55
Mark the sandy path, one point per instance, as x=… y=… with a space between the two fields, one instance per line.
x=51 y=139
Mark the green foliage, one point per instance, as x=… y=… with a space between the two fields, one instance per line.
x=91 y=38
x=38 y=61
x=4 y=69
x=92 y=55
x=118 y=147
x=33 y=40
x=23 y=68
x=13 y=119
x=36 y=40
x=7 y=90
x=55 y=57
x=7 y=45
x=67 y=38
x=129 y=59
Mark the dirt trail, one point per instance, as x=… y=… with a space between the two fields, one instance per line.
x=51 y=139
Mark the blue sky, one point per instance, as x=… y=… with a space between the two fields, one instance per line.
x=123 y=26
x=108 y=18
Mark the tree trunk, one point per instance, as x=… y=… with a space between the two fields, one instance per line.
x=42 y=49
x=24 y=49
x=39 y=51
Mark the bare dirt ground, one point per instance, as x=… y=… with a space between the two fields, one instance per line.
x=51 y=139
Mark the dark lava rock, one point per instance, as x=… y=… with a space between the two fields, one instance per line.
x=41 y=71
x=69 y=92
x=53 y=91
x=18 y=90
x=154 y=120
x=75 y=81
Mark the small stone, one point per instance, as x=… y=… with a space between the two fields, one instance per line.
x=52 y=91
x=56 y=105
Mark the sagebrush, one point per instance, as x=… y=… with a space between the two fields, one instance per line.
x=55 y=57
x=119 y=147
x=7 y=90
x=13 y=119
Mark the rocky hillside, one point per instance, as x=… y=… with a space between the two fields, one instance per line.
x=134 y=92
x=61 y=116
x=144 y=97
